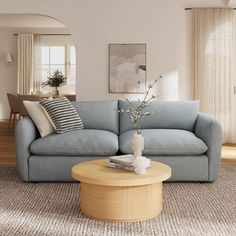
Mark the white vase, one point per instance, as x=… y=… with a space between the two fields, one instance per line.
x=55 y=91
x=137 y=144
x=140 y=162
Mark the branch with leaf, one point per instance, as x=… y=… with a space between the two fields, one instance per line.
x=55 y=80
x=138 y=113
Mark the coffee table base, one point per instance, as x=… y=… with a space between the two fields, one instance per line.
x=121 y=203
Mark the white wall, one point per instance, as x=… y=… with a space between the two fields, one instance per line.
x=95 y=24
x=154 y=23
x=162 y=24
x=7 y=73
x=185 y=56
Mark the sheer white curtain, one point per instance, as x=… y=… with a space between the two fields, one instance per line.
x=214 y=66
x=28 y=57
x=37 y=79
x=25 y=63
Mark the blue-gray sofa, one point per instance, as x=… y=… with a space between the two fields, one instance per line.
x=175 y=134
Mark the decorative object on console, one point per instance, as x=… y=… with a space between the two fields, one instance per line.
x=63 y=114
x=57 y=79
x=127 y=68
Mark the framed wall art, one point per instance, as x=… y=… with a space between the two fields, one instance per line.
x=127 y=68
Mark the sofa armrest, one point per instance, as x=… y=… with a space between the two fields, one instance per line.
x=209 y=130
x=25 y=134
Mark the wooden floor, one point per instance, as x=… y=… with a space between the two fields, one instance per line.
x=228 y=154
x=8 y=156
x=7 y=144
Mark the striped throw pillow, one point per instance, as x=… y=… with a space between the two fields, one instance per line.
x=63 y=114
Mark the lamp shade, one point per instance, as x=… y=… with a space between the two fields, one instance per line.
x=8 y=58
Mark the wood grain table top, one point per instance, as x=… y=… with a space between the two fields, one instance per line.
x=96 y=172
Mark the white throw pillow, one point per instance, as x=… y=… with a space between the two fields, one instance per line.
x=40 y=118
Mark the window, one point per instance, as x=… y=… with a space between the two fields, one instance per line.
x=72 y=66
x=58 y=57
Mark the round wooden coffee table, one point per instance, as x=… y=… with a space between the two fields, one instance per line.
x=115 y=195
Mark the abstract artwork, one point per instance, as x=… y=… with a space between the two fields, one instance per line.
x=127 y=68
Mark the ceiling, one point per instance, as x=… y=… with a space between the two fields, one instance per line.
x=28 y=21
x=207 y=3
x=44 y=22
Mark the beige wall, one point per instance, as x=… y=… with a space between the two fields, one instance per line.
x=185 y=56
x=7 y=72
x=94 y=24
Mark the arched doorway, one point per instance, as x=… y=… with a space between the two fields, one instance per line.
x=55 y=51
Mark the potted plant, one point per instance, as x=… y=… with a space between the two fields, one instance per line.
x=57 y=79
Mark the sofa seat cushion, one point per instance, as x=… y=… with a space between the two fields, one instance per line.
x=165 y=142
x=86 y=142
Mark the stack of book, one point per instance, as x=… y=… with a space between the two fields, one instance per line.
x=124 y=162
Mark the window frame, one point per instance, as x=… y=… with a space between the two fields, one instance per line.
x=67 y=59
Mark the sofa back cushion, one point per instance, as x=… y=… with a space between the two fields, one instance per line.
x=101 y=115
x=166 y=115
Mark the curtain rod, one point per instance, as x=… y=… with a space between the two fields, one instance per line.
x=49 y=34
x=189 y=8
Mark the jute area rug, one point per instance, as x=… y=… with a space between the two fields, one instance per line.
x=53 y=209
